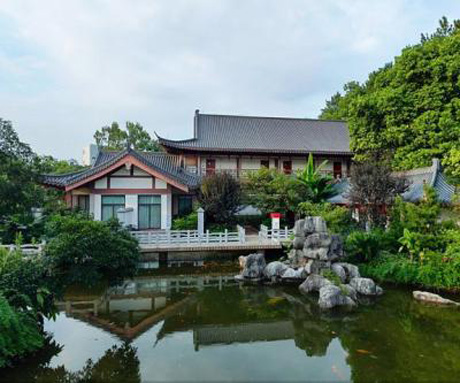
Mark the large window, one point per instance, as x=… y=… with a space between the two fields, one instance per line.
x=111 y=204
x=149 y=212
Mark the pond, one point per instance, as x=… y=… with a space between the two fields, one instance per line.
x=174 y=327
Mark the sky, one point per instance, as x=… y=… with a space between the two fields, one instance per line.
x=67 y=68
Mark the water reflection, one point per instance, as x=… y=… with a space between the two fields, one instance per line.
x=176 y=327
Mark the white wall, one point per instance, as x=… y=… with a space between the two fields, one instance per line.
x=131 y=183
x=225 y=163
x=101 y=183
x=160 y=184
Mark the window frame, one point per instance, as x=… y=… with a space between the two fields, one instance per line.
x=114 y=206
x=150 y=207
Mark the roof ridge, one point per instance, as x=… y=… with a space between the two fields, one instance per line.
x=271 y=117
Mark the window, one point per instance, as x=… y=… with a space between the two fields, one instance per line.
x=287 y=167
x=184 y=205
x=149 y=212
x=264 y=164
x=83 y=202
x=111 y=204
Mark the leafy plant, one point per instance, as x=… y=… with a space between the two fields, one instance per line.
x=338 y=218
x=363 y=247
x=320 y=184
x=83 y=250
x=19 y=333
x=187 y=222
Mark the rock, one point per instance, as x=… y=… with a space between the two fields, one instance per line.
x=314 y=225
x=298 y=243
x=365 y=286
x=313 y=282
x=425 y=296
x=339 y=271
x=296 y=258
x=315 y=267
x=352 y=271
x=275 y=270
x=349 y=291
x=332 y=295
x=254 y=267
x=242 y=261
x=336 y=248
x=299 y=228
x=316 y=246
x=294 y=274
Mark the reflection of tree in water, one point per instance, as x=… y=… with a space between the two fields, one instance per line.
x=118 y=364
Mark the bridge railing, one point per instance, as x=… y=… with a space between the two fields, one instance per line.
x=186 y=237
x=275 y=234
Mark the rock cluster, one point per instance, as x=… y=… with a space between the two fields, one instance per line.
x=315 y=260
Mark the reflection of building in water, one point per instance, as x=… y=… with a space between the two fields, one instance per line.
x=242 y=333
x=133 y=307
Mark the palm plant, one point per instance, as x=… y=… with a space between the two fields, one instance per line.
x=319 y=184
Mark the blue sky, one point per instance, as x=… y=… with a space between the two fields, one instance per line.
x=69 y=67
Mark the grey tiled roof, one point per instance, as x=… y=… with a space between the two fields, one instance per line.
x=265 y=135
x=417 y=179
x=161 y=162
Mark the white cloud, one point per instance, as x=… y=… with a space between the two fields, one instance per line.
x=86 y=63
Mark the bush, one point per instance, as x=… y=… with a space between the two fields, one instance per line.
x=83 y=250
x=25 y=283
x=435 y=271
x=364 y=247
x=188 y=222
x=338 y=218
x=19 y=333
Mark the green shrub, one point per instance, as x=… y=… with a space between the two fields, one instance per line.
x=81 y=250
x=188 y=222
x=25 y=283
x=338 y=218
x=363 y=247
x=435 y=270
x=19 y=333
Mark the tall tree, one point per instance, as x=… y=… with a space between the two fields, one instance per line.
x=408 y=109
x=115 y=138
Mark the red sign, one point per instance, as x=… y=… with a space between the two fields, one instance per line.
x=275 y=215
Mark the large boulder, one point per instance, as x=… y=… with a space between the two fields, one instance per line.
x=351 y=271
x=365 y=286
x=293 y=274
x=336 y=248
x=299 y=228
x=254 y=267
x=296 y=258
x=314 y=225
x=314 y=282
x=339 y=271
x=313 y=266
x=275 y=270
x=331 y=295
x=316 y=246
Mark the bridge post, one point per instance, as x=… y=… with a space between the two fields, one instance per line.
x=200 y=212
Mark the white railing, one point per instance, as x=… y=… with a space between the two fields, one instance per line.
x=186 y=237
x=27 y=249
x=275 y=234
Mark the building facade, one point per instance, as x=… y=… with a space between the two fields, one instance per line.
x=145 y=190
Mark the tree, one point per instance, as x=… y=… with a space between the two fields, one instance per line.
x=272 y=191
x=319 y=184
x=410 y=108
x=114 y=138
x=51 y=165
x=220 y=197
x=373 y=190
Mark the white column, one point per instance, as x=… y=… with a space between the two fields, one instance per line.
x=166 y=211
x=97 y=207
x=91 y=204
